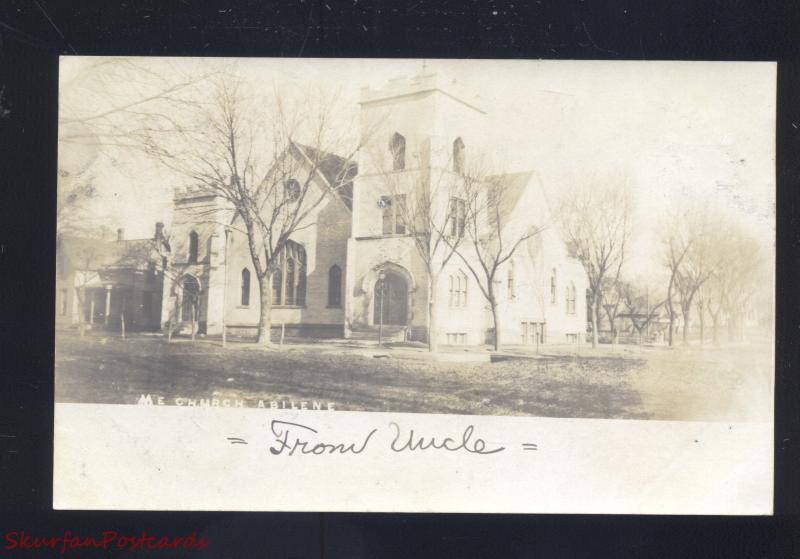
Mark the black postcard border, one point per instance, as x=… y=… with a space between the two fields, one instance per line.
x=33 y=33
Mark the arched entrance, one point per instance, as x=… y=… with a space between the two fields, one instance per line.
x=191 y=299
x=391 y=300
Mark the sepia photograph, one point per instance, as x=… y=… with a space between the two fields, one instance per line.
x=542 y=239
x=415 y=285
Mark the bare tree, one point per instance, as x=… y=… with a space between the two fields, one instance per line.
x=691 y=255
x=493 y=234
x=73 y=193
x=612 y=298
x=106 y=105
x=740 y=274
x=272 y=183
x=596 y=220
x=639 y=307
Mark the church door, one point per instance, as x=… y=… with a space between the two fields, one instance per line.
x=393 y=302
x=191 y=299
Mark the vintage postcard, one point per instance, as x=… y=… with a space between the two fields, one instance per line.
x=415 y=285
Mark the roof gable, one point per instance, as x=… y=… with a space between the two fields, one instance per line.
x=84 y=253
x=337 y=171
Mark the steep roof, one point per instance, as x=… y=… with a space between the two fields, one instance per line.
x=338 y=171
x=93 y=254
x=512 y=186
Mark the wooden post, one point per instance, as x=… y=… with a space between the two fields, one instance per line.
x=108 y=305
x=122 y=317
x=194 y=319
x=283 y=331
x=91 y=311
x=225 y=290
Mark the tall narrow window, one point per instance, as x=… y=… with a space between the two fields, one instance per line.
x=397 y=147
x=300 y=295
x=393 y=210
x=553 y=286
x=289 y=277
x=277 y=283
x=458 y=290
x=510 y=279
x=335 y=286
x=245 y=300
x=290 y=286
x=458 y=156
x=399 y=214
x=387 y=216
x=193 y=247
x=571 y=298
x=458 y=217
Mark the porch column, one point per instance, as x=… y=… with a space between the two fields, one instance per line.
x=108 y=304
x=91 y=310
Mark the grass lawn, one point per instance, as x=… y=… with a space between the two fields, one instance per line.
x=626 y=382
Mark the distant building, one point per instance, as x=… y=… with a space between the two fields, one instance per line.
x=330 y=277
x=99 y=281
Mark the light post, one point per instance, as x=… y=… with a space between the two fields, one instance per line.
x=225 y=289
x=381 y=284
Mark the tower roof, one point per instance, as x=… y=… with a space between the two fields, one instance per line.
x=424 y=82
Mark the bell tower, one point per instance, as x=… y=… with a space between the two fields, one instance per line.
x=414 y=131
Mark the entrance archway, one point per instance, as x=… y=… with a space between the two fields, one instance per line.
x=391 y=300
x=191 y=299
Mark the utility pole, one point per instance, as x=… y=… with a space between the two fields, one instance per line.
x=225 y=289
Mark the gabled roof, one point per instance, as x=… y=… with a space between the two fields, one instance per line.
x=513 y=187
x=337 y=170
x=93 y=254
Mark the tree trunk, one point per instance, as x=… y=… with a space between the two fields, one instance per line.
x=671 y=327
x=81 y=317
x=702 y=327
x=595 y=311
x=715 y=330
x=493 y=304
x=265 y=310
x=432 y=338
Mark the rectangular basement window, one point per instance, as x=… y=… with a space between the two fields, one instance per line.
x=457 y=338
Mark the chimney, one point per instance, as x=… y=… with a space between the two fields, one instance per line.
x=159 y=231
x=120 y=234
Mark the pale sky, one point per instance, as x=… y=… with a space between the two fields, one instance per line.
x=686 y=132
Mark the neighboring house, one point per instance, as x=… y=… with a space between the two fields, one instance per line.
x=416 y=132
x=98 y=282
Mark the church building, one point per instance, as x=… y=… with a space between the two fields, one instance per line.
x=356 y=270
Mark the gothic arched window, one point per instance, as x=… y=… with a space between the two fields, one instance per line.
x=458 y=289
x=193 y=247
x=458 y=156
x=335 y=286
x=245 y=301
x=277 y=281
x=397 y=147
x=571 y=298
x=291 y=268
